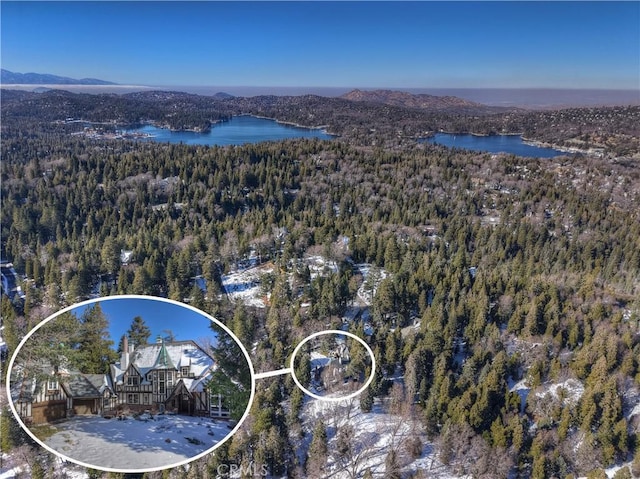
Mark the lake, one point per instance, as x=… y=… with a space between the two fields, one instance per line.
x=237 y=131
x=494 y=144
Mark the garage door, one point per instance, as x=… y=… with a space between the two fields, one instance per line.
x=83 y=406
x=49 y=411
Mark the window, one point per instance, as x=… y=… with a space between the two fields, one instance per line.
x=145 y=399
x=184 y=371
x=161 y=382
x=52 y=385
x=133 y=381
x=133 y=398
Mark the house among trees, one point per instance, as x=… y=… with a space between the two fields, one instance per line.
x=9 y=281
x=160 y=377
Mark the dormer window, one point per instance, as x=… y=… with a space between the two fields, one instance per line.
x=184 y=371
x=52 y=385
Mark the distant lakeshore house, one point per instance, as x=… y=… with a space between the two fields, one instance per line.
x=158 y=377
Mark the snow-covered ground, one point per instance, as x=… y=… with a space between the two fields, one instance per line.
x=11 y=473
x=374 y=434
x=371 y=278
x=319 y=266
x=569 y=391
x=523 y=391
x=244 y=285
x=318 y=359
x=135 y=444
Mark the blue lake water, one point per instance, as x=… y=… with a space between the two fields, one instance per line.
x=237 y=131
x=494 y=144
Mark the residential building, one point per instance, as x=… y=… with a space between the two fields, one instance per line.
x=160 y=377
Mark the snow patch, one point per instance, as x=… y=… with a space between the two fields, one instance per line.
x=569 y=391
x=374 y=434
x=146 y=442
x=372 y=276
x=523 y=391
x=244 y=285
x=320 y=266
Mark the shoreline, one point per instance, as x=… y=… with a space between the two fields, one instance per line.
x=527 y=141
x=322 y=128
x=213 y=123
x=564 y=149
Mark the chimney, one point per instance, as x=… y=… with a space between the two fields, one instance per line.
x=159 y=339
x=124 y=358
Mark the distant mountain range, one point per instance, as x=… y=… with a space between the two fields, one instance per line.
x=409 y=100
x=11 y=78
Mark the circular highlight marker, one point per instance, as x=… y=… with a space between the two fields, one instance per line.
x=332 y=365
x=161 y=404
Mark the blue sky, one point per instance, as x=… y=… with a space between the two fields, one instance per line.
x=157 y=314
x=332 y=44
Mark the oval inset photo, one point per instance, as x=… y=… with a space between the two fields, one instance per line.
x=333 y=365
x=130 y=383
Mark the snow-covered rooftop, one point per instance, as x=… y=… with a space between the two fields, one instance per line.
x=173 y=355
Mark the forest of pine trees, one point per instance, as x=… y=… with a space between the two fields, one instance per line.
x=500 y=270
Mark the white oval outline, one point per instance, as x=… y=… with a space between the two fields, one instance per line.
x=341 y=398
x=130 y=296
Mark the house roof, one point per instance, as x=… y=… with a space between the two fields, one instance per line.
x=191 y=385
x=100 y=381
x=196 y=385
x=79 y=386
x=167 y=355
x=23 y=390
x=27 y=382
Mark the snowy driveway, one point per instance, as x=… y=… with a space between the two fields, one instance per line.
x=135 y=444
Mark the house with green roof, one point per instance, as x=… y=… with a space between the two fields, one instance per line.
x=164 y=376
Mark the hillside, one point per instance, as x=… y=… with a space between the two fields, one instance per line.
x=404 y=99
x=499 y=293
x=12 y=78
x=613 y=130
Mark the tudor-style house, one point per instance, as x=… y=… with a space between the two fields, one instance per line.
x=163 y=376
x=159 y=377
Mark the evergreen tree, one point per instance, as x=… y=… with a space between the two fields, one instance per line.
x=232 y=378
x=6 y=440
x=138 y=333
x=317 y=453
x=11 y=332
x=95 y=353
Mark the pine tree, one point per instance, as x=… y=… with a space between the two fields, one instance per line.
x=232 y=378
x=366 y=400
x=635 y=465
x=6 y=441
x=318 y=451
x=11 y=332
x=110 y=256
x=303 y=368
x=138 y=333
x=95 y=343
